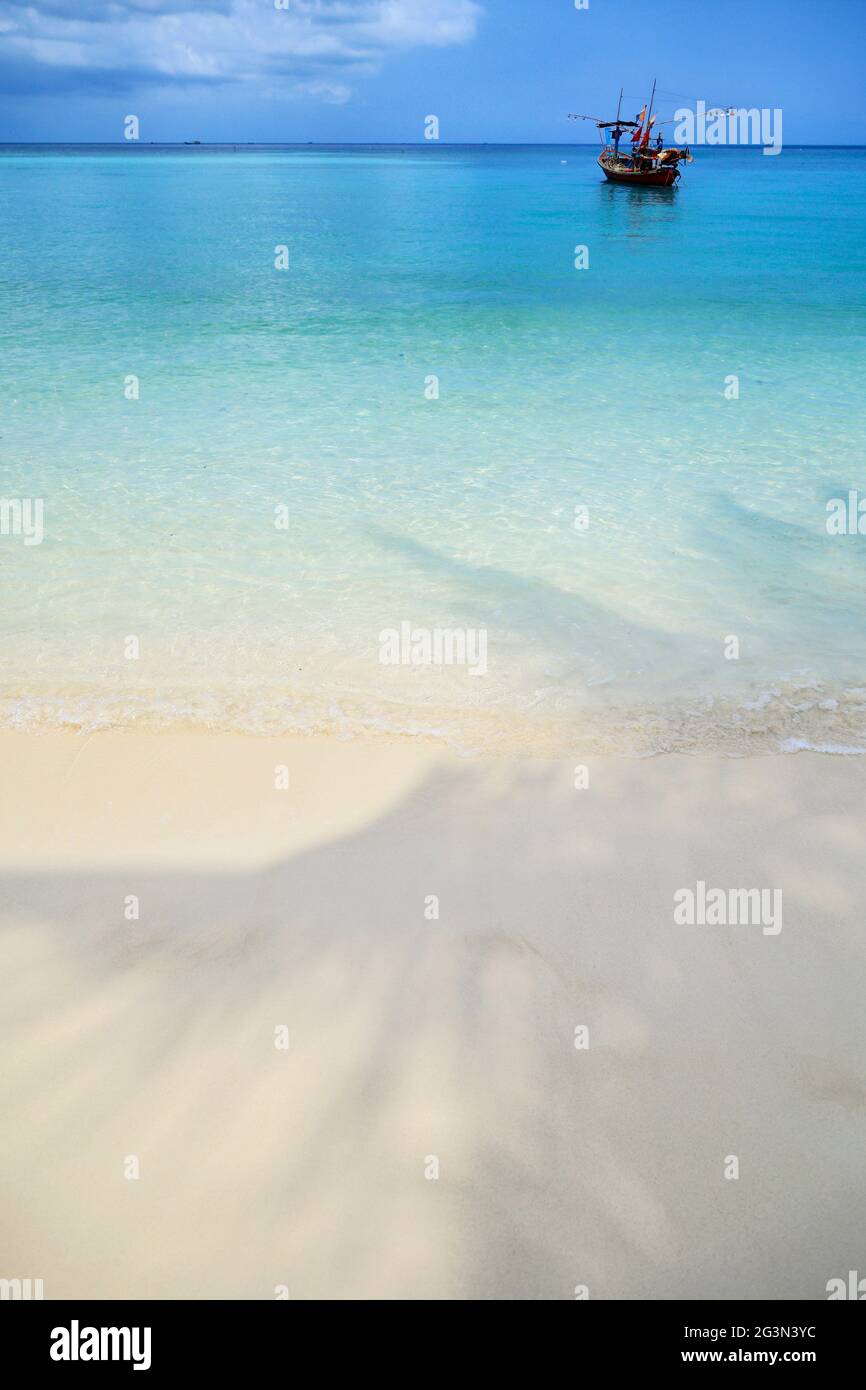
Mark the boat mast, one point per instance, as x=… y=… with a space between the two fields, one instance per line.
x=650 y=112
x=616 y=127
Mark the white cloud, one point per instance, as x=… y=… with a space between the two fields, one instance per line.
x=313 y=46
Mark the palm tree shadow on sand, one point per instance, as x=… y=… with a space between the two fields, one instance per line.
x=416 y=1042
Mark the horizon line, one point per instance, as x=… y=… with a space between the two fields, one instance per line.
x=393 y=144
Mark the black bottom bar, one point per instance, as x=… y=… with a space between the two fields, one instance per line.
x=219 y=1338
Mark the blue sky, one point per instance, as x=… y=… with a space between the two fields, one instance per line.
x=357 y=70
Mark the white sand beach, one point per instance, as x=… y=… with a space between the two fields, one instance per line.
x=416 y=1041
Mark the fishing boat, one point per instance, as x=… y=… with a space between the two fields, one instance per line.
x=645 y=165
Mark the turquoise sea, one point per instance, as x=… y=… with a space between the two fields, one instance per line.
x=307 y=394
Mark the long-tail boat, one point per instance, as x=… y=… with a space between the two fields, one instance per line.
x=645 y=166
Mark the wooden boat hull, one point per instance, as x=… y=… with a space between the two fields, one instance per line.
x=641 y=178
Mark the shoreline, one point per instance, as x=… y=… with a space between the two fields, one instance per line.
x=416 y=1034
x=791 y=716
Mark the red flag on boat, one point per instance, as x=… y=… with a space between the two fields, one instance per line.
x=639 y=119
x=645 y=141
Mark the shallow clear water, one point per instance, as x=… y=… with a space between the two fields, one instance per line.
x=558 y=388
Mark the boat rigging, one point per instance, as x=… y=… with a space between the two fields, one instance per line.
x=646 y=165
